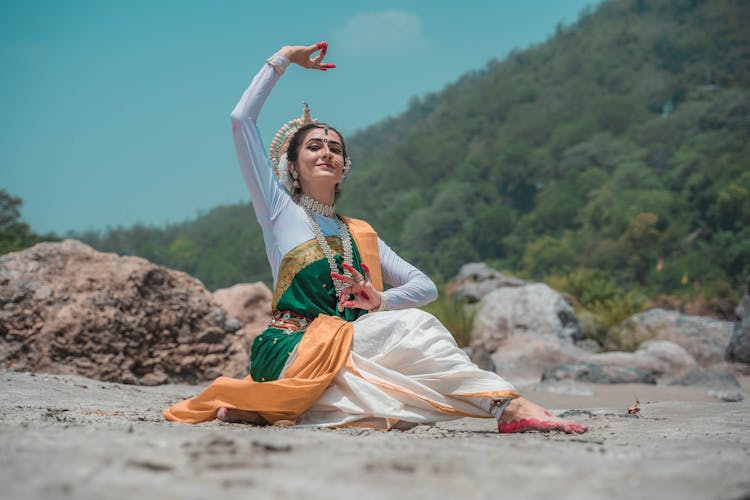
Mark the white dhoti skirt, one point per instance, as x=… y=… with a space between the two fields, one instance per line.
x=405 y=368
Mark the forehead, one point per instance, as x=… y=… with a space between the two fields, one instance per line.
x=320 y=133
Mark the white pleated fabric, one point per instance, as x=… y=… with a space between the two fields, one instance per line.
x=405 y=368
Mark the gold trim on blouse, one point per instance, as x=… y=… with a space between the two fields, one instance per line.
x=299 y=258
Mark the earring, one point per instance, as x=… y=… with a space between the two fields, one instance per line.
x=295 y=182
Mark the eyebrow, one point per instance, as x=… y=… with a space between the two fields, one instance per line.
x=316 y=139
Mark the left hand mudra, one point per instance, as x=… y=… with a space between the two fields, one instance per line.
x=360 y=293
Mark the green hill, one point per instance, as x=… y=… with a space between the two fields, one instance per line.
x=620 y=143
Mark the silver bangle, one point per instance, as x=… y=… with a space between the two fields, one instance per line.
x=382 y=307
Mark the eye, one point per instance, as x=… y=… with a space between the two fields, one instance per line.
x=336 y=150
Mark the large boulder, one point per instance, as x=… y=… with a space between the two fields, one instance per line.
x=476 y=279
x=66 y=308
x=248 y=302
x=705 y=339
x=657 y=357
x=249 y=305
x=527 y=356
x=530 y=309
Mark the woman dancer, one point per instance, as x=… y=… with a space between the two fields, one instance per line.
x=339 y=350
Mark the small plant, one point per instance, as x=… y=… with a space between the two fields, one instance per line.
x=598 y=295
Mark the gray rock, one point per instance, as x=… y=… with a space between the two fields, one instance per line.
x=476 y=279
x=743 y=308
x=481 y=358
x=232 y=324
x=589 y=345
x=598 y=374
x=567 y=386
x=527 y=356
x=722 y=385
x=657 y=357
x=739 y=347
x=706 y=339
x=530 y=309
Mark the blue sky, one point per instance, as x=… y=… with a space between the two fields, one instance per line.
x=115 y=113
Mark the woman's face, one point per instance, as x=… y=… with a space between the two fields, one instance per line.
x=320 y=159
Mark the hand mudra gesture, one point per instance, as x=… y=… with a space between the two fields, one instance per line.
x=360 y=292
x=303 y=55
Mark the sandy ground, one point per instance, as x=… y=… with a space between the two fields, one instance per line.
x=72 y=437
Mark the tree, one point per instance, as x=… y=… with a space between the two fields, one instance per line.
x=14 y=234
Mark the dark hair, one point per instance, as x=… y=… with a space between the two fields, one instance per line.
x=292 y=152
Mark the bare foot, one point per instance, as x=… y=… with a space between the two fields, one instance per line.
x=231 y=415
x=521 y=415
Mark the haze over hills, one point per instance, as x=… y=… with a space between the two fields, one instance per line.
x=621 y=147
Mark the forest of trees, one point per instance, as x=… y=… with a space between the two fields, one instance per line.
x=619 y=148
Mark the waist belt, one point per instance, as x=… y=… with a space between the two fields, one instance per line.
x=289 y=321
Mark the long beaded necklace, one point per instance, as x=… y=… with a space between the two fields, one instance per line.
x=310 y=206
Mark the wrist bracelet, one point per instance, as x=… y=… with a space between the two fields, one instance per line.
x=277 y=62
x=382 y=307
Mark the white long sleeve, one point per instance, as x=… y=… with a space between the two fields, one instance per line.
x=411 y=287
x=284 y=223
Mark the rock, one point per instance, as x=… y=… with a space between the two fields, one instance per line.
x=481 y=358
x=743 y=308
x=534 y=308
x=717 y=308
x=705 y=339
x=598 y=374
x=657 y=357
x=721 y=385
x=476 y=279
x=739 y=346
x=566 y=386
x=528 y=356
x=232 y=324
x=67 y=308
x=248 y=302
x=589 y=345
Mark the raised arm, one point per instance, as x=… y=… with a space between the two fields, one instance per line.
x=267 y=194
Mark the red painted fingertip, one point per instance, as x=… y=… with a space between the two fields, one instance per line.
x=328 y=66
x=365 y=268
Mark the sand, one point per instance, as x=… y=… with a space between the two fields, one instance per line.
x=72 y=437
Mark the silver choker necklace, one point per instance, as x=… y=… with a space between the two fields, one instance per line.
x=312 y=204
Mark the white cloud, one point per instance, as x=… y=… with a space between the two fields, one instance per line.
x=380 y=32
